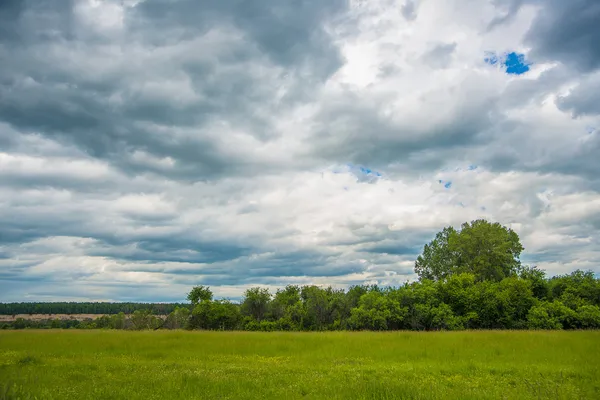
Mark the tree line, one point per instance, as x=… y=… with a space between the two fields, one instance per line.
x=469 y=278
x=86 y=308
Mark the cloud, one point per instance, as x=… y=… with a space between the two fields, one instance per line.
x=149 y=146
x=584 y=99
x=439 y=56
x=567 y=32
x=409 y=10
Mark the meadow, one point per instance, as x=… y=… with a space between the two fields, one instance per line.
x=109 y=364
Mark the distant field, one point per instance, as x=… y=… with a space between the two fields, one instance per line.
x=235 y=365
x=42 y=317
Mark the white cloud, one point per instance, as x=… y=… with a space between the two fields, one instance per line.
x=228 y=151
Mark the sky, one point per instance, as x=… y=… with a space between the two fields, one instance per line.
x=150 y=146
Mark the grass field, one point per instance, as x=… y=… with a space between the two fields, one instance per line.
x=217 y=365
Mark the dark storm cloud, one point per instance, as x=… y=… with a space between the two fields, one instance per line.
x=579 y=161
x=380 y=239
x=355 y=130
x=567 y=31
x=291 y=33
x=79 y=87
x=584 y=99
x=48 y=290
x=259 y=267
x=10 y=11
x=170 y=248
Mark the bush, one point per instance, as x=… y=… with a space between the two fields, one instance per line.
x=553 y=315
x=589 y=317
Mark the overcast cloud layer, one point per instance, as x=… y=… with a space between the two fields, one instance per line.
x=149 y=146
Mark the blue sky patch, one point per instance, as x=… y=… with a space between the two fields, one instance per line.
x=364 y=174
x=513 y=63
x=491 y=58
x=368 y=171
x=447 y=184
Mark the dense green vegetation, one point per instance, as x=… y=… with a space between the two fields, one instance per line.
x=460 y=301
x=86 y=308
x=332 y=365
x=470 y=278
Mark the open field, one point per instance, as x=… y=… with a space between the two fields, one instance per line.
x=237 y=365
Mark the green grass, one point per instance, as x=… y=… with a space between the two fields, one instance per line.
x=217 y=365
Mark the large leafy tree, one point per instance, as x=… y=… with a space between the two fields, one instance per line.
x=284 y=299
x=488 y=250
x=199 y=294
x=256 y=303
x=438 y=260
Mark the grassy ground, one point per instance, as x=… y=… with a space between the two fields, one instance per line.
x=217 y=365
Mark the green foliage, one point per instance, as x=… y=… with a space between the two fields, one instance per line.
x=438 y=259
x=577 y=285
x=199 y=294
x=118 y=321
x=539 y=284
x=256 y=303
x=588 y=317
x=283 y=300
x=215 y=315
x=377 y=311
x=143 y=319
x=178 y=319
x=317 y=307
x=550 y=315
x=459 y=301
x=490 y=251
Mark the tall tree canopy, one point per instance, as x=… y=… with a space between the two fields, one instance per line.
x=199 y=294
x=488 y=250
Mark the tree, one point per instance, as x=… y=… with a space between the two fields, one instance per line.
x=580 y=284
x=199 y=293
x=377 y=311
x=177 y=319
x=589 y=317
x=256 y=303
x=553 y=315
x=283 y=300
x=317 y=307
x=438 y=259
x=143 y=319
x=215 y=315
x=117 y=321
x=490 y=251
x=537 y=277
